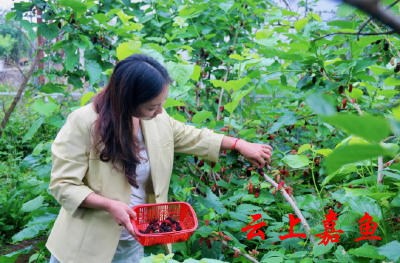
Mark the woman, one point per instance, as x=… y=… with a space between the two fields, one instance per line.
x=118 y=152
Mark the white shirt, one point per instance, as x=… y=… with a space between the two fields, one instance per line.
x=138 y=196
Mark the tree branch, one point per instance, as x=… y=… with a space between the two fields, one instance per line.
x=17 y=68
x=354 y=103
x=388 y=138
x=217 y=238
x=363 y=34
x=20 y=90
x=370 y=19
x=22 y=33
x=380 y=168
x=292 y=204
x=376 y=11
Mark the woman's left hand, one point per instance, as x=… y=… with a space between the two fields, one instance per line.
x=254 y=152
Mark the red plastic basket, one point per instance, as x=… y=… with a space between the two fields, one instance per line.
x=180 y=211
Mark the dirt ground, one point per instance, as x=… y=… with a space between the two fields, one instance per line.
x=26 y=243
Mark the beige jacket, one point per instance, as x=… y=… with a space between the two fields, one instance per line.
x=84 y=235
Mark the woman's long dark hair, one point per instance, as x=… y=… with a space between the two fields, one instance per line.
x=135 y=80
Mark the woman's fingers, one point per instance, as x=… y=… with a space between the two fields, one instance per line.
x=129 y=227
x=267 y=146
x=132 y=213
x=267 y=156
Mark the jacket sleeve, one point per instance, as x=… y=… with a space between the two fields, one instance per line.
x=200 y=142
x=70 y=163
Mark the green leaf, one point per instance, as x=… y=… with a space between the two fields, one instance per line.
x=321 y=104
x=296 y=161
x=366 y=251
x=354 y=153
x=356 y=93
x=124 y=18
x=212 y=201
x=196 y=73
x=29 y=232
x=391 y=175
x=126 y=49
x=180 y=72
x=288 y=119
x=265 y=33
x=321 y=249
x=71 y=60
x=102 y=18
x=236 y=56
x=37 y=149
x=201 y=116
x=86 y=40
x=231 y=106
x=363 y=204
x=226 y=6
x=204 y=231
x=172 y=103
x=232 y=84
x=390 y=250
x=35 y=126
x=361 y=126
x=247 y=209
x=32 y=204
x=85 y=98
x=324 y=152
x=289 y=13
x=304 y=148
x=48 y=31
x=76 y=5
x=44 y=108
x=392 y=81
x=12 y=257
x=396 y=112
x=345 y=10
x=94 y=70
x=396 y=201
x=299 y=24
x=10 y=15
x=316 y=17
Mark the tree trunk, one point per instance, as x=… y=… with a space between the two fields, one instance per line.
x=20 y=90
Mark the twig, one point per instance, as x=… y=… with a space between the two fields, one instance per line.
x=303 y=117
x=215 y=179
x=380 y=178
x=287 y=5
x=226 y=78
x=376 y=11
x=190 y=168
x=292 y=204
x=363 y=34
x=17 y=68
x=354 y=103
x=380 y=168
x=22 y=33
x=222 y=93
x=388 y=138
x=235 y=249
x=370 y=19
x=362 y=27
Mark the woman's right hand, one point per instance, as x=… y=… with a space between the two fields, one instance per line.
x=121 y=214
